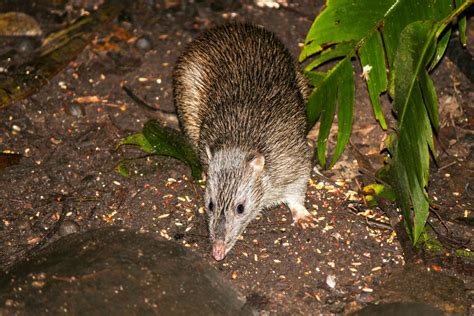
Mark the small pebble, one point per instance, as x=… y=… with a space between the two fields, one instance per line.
x=68 y=227
x=26 y=46
x=74 y=109
x=144 y=43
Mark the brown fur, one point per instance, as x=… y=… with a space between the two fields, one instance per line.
x=239 y=95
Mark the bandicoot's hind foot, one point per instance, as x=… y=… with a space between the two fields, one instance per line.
x=301 y=216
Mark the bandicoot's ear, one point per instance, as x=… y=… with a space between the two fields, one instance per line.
x=208 y=153
x=257 y=163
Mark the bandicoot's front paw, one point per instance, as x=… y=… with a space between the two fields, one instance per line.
x=301 y=217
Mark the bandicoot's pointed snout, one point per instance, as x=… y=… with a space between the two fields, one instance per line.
x=218 y=250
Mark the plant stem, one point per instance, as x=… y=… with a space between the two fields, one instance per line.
x=450 y=18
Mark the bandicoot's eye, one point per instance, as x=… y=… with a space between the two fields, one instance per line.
x=240 y=209
x=211 y=206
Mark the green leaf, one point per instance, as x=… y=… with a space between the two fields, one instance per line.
x=405 y=12
x=441 y=48
x=315 y=106
x=318 y=98
x=345 y=101
x=430 y=98
x=122 y=168
x=383 y=191
x=343 y=21
x=323 y=99
x=462 y=24
x=336 y=51
x=417 y=46
x=464 y=253
x=309 y=50
x=137 y=140
x=372 y=60
x=410 y=162
x=168 y=142
x=315 y=77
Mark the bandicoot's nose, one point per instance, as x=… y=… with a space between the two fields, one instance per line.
x=218 y=250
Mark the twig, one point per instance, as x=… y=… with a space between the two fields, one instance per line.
x=448 y=165
x=440 y=219
x=370 y=221
x=141 y=102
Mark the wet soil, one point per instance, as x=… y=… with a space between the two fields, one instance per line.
x=67 y=135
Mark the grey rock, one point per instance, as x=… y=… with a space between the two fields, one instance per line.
x=111 y=271
x=399 y=309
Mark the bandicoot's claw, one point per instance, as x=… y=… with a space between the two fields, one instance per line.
x=306 y=222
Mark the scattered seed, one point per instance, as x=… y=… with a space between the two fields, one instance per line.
x=38 y=284
x=33 y=240
x=376 y=269
x=164 y=234
x=331 y=281
x=367 y=289
x=163 y=216
x=234 y=275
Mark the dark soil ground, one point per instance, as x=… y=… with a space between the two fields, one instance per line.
x=67 y=135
